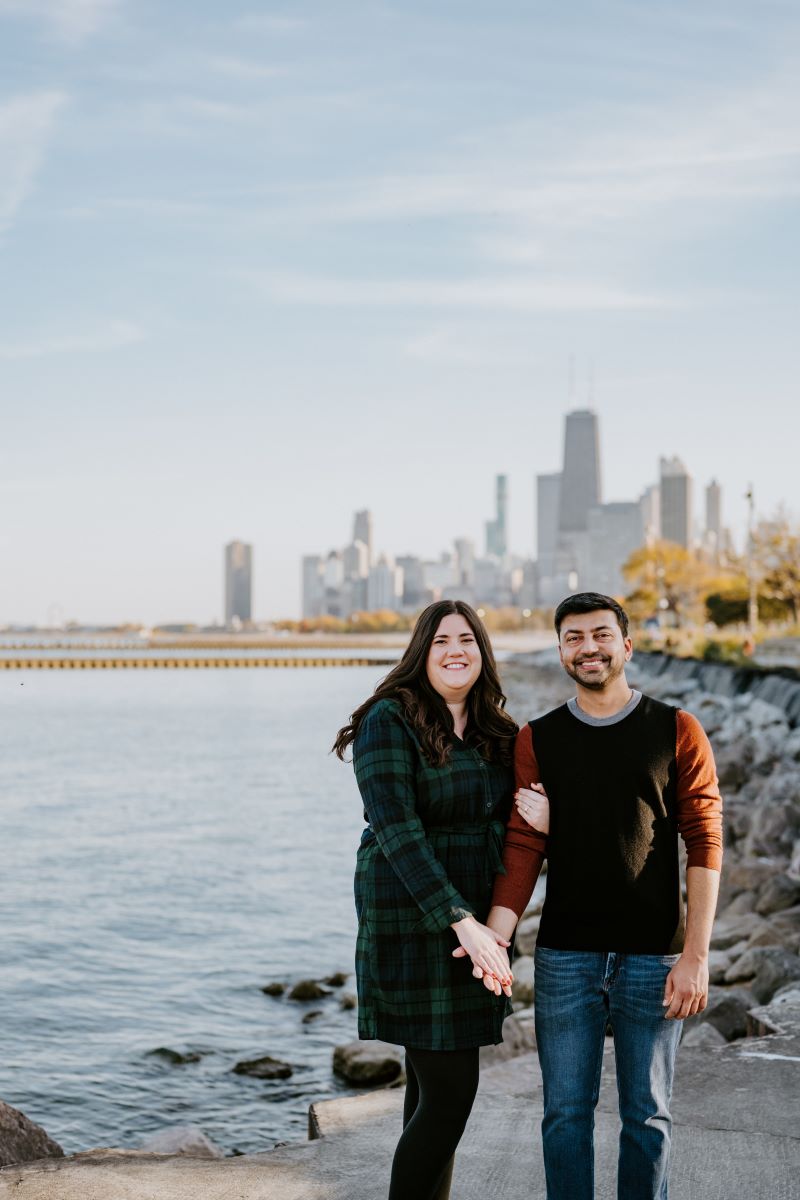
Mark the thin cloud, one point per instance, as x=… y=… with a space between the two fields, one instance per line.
x=258 y=23
x=111 y=336
x=26 y=123
x=513 y=294
x=68 y=20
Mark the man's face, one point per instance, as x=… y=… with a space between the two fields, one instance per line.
x=592 y=648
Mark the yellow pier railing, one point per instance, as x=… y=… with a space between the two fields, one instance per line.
x=142 y=662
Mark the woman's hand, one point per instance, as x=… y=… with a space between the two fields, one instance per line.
x=534 y=807
x=487 y=949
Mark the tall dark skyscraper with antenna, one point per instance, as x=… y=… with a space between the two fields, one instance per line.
x=580 y=477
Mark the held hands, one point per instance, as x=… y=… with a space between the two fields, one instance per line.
x=686 y=987
x=487 y=949
x=534 y=807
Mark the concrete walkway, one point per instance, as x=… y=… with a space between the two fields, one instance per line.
x=736 y=1134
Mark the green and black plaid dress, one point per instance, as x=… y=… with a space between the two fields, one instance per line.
x=427 y=858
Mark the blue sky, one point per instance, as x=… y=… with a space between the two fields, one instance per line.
x=266 y=264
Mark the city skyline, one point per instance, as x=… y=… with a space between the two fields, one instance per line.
x=266 y=268
x=583 y=543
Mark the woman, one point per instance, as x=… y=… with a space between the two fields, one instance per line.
x=432 y=751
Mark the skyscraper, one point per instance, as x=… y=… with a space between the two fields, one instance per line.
x=238 y=582
x=497 y=529
x=580 y=478
x=615 y=531
x=362 y=531
x=313 y=586
x=676 y=502
x=714 y=510
x=548 y=504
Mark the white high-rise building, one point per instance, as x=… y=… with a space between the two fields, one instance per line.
x=548 y=503
x=313 y=586
x=384 y=585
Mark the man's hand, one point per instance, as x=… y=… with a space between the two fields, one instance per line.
x=686 y=988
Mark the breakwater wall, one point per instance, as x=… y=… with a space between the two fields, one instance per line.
x=779 y=686
x=151 y=662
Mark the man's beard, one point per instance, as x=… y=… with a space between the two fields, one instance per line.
x=613 y=670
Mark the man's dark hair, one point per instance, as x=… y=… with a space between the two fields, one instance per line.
x=586 y=602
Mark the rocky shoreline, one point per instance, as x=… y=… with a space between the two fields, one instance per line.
x=755 y=948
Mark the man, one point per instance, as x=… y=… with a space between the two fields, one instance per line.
x=622 y=775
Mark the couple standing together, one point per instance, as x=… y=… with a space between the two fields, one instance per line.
x=461 y=811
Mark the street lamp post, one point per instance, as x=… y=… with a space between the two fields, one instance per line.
x=752 y=601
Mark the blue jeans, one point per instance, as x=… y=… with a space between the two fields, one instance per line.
x=577 y=994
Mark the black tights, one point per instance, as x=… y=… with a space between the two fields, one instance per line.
x=440 y=1090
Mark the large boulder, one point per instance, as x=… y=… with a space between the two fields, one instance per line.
x=748 y=874
x=726 y=1010
x=704 y=1036
x=368 y=1064
x=738 y=927
x=766 y=968
x=264 y=1068
x=791 y=747
x=731 y=766
x=527 y=932
x=186 y=1140
x=720 y=960
x=781 y=1015
x=22 y=1140
x=522 y=987
x=778 y=893
x=775 y=818
x=308 y=989
x=519 y=1037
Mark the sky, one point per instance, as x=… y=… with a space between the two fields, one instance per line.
x=264 y=265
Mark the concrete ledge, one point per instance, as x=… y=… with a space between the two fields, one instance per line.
x=736 y=1133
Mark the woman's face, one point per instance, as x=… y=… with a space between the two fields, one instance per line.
x=454 y=660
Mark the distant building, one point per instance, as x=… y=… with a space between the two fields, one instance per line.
x=615 y=531
x=676 y=502
x=650 y=504
x=497 y=529
x=355 y=560
x=238 y=583
x=385 y=585
x=548 y=503
x=714 y=538
x=415 y=593
x=580 y=477
x=362 y=531
x=313 y=589
x=465 y=562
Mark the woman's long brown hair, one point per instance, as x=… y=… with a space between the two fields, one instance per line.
x=489 y=728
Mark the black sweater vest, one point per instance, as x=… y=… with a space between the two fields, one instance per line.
x=613 y=881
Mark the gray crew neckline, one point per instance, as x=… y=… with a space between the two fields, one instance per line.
x=614 y=719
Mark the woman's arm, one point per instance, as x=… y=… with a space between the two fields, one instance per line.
x=384 y=763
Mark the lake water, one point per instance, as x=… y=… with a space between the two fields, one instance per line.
x=171 y=842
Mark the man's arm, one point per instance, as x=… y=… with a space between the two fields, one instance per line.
x=700 y=825
x=686 y=990
x=524 y=850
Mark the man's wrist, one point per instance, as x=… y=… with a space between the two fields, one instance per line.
x=694 y=954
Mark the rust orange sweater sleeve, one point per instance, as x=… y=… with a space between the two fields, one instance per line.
x=524 y=849
x=699 y=801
